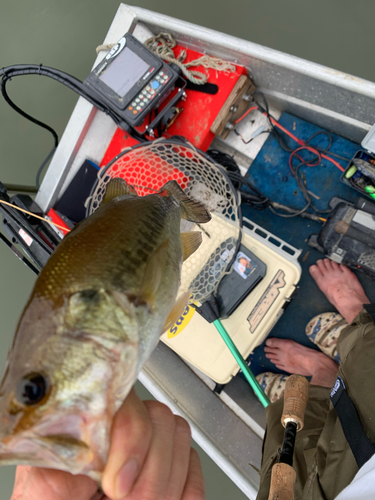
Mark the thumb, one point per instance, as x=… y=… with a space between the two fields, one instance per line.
x=34 y=483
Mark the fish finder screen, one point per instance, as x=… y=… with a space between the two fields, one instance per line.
x=124 y=72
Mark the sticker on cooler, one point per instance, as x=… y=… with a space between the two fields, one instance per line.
x=182 y=322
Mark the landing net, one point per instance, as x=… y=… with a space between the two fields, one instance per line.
x=148 y=167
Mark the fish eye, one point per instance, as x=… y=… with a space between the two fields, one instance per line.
x=31 y=389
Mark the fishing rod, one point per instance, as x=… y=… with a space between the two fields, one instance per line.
x=283 y=476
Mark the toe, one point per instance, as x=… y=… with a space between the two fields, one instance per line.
x=269 y=351
x=334 y=265
x=328 y=264
x=321 y=266
x=275 y=361
x=276 y=343
x=314 y=270
x=280 y=366
x=346 y=271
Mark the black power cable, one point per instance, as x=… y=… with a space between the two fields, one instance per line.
x=252 y=196
x=71 y=82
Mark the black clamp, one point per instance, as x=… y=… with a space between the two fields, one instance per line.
x=209 y=310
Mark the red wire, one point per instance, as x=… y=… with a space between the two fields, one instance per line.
x=243 y=116
x=301 y=143
x=309 y=148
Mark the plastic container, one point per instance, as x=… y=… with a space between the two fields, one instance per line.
x=367 y=154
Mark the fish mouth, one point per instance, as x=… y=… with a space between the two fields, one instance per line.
x=56 y=451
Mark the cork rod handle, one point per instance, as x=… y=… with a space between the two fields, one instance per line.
x=283 y=479
x=295 y=400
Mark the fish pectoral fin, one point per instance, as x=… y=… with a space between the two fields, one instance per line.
x=177 y=310
x=153 y=275
x=191 y=210
x=117 y=187
x=123 y=301
x=190 y=242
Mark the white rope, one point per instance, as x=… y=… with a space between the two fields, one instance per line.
x=162 y=46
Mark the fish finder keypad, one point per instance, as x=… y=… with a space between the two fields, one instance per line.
x=148 y=93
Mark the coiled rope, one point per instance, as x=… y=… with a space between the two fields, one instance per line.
x=163 y=45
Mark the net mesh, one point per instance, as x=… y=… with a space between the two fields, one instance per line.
x=148 y=167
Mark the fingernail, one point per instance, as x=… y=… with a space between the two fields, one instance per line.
x=269 y=342
x=126 y=478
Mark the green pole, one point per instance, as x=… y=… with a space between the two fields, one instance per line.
x=245 y=369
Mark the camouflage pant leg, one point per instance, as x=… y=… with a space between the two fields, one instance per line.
x=324 y=331
x=323 y=460
x=273 y=384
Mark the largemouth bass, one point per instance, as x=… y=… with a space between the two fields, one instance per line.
x=94 y=316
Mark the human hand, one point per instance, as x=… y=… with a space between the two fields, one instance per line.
x=150 y=457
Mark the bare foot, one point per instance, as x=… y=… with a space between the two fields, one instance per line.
x=295 y=358
x=341 y=287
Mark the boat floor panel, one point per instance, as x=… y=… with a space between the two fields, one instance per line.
x=271 y=174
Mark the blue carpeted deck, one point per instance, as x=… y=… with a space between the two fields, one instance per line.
x=270 y=173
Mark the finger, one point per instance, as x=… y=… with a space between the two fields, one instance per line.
x=130 y=441
x=152 y=482
x=34 y=483
x=180 y=460
x=194 y=487
x=100 y=496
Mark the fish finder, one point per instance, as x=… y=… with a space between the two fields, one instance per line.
x=133 y=80
x=129 y=83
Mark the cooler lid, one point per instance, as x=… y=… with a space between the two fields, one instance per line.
x=368 y=142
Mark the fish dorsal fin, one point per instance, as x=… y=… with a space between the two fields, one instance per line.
x=177 y=310
x=190 y=241
x=153 y=274
x=117 y=187
x=191 y=210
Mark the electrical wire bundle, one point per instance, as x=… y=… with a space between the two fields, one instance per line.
x=251 y=195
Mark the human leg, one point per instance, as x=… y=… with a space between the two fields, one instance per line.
x=326 y=464
x=324 y=331
x=343 y=290
x=292 y=357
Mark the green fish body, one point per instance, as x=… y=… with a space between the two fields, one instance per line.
x=94 y=316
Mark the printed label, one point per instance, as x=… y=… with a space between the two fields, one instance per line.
x=26 y=238
x=243 y=265
x=266 y=300
x=182 y=322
